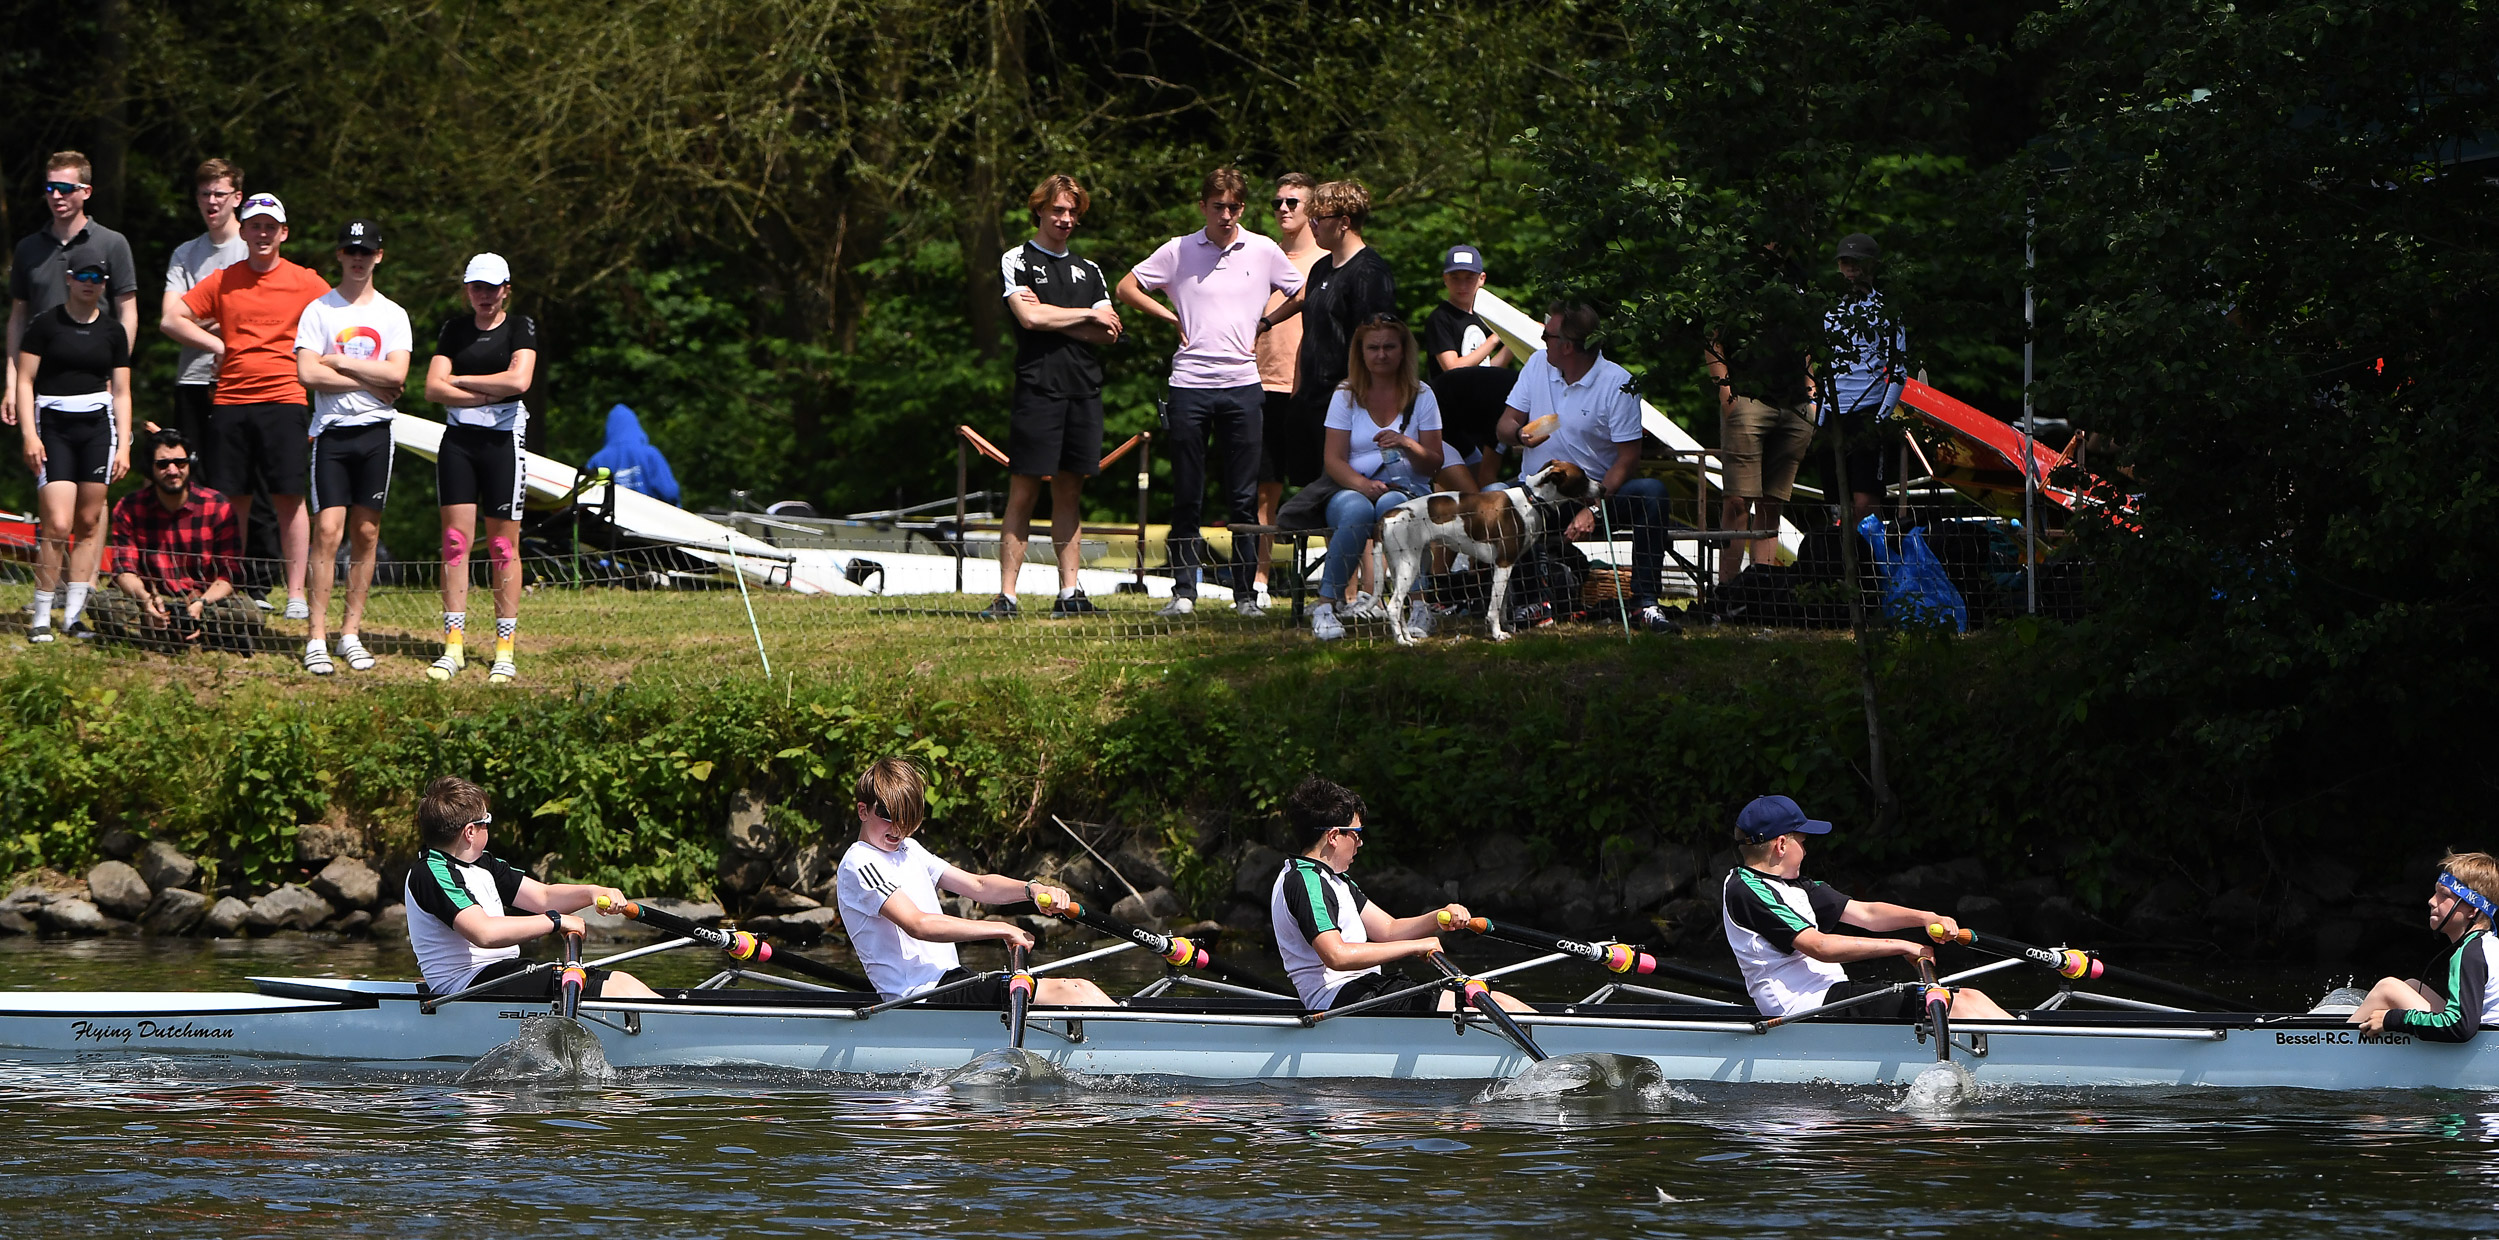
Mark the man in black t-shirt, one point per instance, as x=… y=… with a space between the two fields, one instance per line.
x=1348 y=286
x=69 y=240
x=1062 y=308
x=1468 y=365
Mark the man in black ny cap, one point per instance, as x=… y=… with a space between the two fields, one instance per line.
x=1785 y=931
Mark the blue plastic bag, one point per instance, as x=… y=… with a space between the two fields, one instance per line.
x=1916 y=593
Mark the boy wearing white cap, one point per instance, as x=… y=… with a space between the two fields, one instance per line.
x=484 y=362
x=351 y=351
x=259 y=425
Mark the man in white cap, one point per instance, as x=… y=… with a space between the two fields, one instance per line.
x=259 y=425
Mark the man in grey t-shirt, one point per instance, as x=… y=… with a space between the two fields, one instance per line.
x=218 y=189
x=68 y=241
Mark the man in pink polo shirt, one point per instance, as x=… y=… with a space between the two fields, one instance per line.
x=1218 y=280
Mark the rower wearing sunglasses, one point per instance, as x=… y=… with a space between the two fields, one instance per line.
x=2462 y=907
x=469 y=910
x=904 y=937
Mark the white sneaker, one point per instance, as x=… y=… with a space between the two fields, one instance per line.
x=317 y=660
x=1419 y=618
x=358 y=658
x=1323 y=623
x=1178 y=607
x=1252 y=608
x=1366 y=606
x=448 y=665
x=502 y=673
x=297 y=608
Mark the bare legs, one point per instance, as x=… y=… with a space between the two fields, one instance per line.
x=1066 y=524
x=1739 y=513
x=294 y=533
x=361 y=529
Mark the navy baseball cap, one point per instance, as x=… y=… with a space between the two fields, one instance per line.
x=1462 y=258
x=1768 y=818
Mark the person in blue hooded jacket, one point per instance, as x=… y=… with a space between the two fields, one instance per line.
x=629 y=455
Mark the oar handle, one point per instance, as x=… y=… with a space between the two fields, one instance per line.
x=2066 y=961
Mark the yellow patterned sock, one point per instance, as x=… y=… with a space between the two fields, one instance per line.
x=505 y=628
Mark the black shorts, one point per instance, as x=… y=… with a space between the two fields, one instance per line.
x=1296 y=434
x=1279 y=407
x=351 y=465
x=267 y=447
x=539 y=986
x=77 y=447
x=192 y=402
x=1054 y=434
x=1370 y=984
x=482 y=467
x=988 y=994
x=1907 y=1005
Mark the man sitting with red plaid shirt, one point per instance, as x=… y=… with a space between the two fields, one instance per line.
x=176 y=549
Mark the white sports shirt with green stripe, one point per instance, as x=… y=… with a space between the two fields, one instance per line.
x=1309 y=900
x=1764 y=913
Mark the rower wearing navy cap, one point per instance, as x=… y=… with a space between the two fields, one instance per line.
x=1785 y=931
x=2463 y=905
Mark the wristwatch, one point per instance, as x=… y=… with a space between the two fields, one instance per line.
x=556 y=920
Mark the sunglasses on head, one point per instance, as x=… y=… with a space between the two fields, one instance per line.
x=1383 y=319
x=63 y=188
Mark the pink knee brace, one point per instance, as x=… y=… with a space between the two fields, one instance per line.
x=455 y=547
x=499 y=550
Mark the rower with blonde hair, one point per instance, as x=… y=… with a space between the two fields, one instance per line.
x=2462 y=906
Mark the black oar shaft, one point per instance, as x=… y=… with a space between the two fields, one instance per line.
x=1615 y=957
x=1938 y=1009
x=1477 y=995
x=1175 y=950
x=737 y=944
x=1019 y=995
x=2078 y=965
x=570 y=981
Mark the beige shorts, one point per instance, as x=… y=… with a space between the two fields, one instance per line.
x=1764 y=445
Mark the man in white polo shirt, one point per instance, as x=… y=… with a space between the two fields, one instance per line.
x=1596 y=427
x=1218 y=280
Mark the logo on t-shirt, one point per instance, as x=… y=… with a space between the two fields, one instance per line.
x=359 y=342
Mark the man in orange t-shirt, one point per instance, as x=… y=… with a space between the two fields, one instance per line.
x=259 y=424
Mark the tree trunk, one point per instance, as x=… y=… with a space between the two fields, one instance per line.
x=108 y=144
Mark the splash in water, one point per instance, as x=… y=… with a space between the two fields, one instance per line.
x=1942 y=1087
x=548 y=1050
x=1004 y=1068
x=1619 y=1080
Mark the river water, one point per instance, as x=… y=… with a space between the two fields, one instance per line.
x=168 y=1150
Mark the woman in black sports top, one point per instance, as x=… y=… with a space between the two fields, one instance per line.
x=483 y=364
x=74 y=381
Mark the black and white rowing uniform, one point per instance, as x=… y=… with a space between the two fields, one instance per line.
x=2470 y=982
x=898 y=964
x=351 y=431
x=1054 y=419
x=482 y=461
x=74 y=393
x=1763 y=914
x=440 y=886
x=1310 y=899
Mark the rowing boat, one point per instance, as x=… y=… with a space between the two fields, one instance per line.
x=381 y=1024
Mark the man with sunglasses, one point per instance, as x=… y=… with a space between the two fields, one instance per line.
x=1219 y=280
x=1279 y=352
x=216 y=189
x=174 y=548
x=898 y=925
x=67 y=242
x=1349 y=286
x=1335 y=942
x=469 y=910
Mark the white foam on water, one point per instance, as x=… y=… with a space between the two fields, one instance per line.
x=1627 y=1081
x=2340 y=1001
x=547 y=1050
x=1943 y=1088
x=1004 y=1068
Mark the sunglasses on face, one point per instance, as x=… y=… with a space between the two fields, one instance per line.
x=1355 y=832
x=174 y=462
x=482 y=820
x=1283 y=204
x=88 y=277
x=63 y=188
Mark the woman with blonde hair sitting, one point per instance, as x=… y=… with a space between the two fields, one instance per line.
x=1383 y=448
x=2461 y=906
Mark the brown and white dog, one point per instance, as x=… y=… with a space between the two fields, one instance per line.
x=1490 y=527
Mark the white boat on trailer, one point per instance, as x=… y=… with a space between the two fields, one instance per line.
x=382 y=1024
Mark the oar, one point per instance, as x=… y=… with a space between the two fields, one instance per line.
x=569 y=982
x=2078 y=965
x=1617 y=957
x=1019 y=995
x=738 y=944
x=1938 y=1009
x=1476 y=994
x=1174 y=949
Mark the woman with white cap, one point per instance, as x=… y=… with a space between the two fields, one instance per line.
x=484 y=362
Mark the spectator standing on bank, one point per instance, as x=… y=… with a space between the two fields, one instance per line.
x=1348 y=286
x=259 y=426
x=630 y=458
x=1596 y=427
x=217 y=189
x=1765 y=418
x=351 y=351
x=1062 y=309
x=73 y=381
x=1468 y=365
x=1278 y=354
x=1867 y=368
x=67 y=242
x=175 y=553
x=483 y=364
x=1219 y=280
